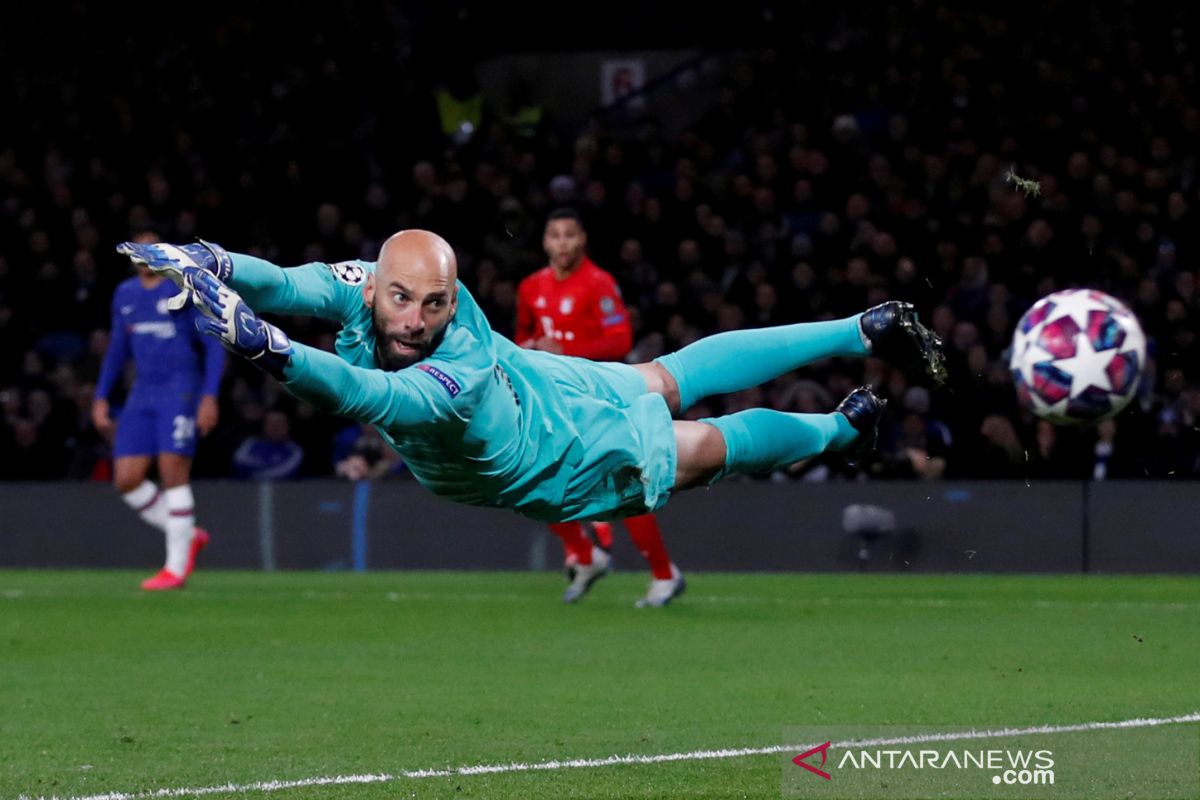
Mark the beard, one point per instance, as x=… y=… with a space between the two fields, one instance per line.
x=388 y=359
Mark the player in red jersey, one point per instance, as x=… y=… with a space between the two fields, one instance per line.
x=574 y=308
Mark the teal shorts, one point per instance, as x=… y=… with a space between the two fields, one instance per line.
x=628 y=459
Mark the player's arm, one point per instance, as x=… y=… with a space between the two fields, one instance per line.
x=207 y=413
x=111 y=369
x=373 y=396
x=315 y=290
x=384 y=399
x=312 y=290
x=616 y=334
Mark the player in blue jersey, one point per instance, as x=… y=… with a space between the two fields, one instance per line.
x=483 y=422
x=173 y=397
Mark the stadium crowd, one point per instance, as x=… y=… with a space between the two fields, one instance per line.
x=843 y=164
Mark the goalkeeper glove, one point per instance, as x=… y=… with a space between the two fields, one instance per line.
x=170 y=260
x=228 y=319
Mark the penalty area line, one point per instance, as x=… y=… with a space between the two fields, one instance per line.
x=615 y=760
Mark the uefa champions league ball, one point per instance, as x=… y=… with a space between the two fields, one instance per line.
x=1077 y=357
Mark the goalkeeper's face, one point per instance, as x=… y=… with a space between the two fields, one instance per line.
x=412 y=296
x=409 y=326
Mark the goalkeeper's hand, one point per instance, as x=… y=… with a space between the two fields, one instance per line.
x=229 y=319
x=170 y=260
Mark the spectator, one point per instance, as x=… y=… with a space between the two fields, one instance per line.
x=1001 y=454
x=273 y=455
x=884 y=178
x=369 y=457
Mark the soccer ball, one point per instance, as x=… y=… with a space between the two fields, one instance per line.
x=1077 y=357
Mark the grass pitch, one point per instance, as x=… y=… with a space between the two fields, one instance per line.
x=248 y=677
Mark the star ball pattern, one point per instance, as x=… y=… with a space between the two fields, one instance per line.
x=1077 y=357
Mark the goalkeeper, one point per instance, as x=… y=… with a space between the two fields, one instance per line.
x=480 y=421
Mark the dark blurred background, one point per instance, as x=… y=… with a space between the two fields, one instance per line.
x=766 y=164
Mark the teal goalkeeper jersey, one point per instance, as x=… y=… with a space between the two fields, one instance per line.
x=479 y=421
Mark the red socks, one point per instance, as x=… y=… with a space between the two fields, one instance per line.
x=603 y=534
x=647 y=537
x=574 y=540
x=643 y=530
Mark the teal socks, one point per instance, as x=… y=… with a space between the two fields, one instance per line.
x=761 y=440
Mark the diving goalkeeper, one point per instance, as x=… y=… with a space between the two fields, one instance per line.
x=481 y=421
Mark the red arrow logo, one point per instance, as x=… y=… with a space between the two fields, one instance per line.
x=823 y=749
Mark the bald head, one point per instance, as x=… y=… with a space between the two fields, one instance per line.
x=418 y=254
x=412 y=295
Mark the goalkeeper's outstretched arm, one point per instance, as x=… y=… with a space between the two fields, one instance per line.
x=310 y=290
x=315 y=290
x=388 y=400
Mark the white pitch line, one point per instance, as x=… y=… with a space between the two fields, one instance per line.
x=611 y=761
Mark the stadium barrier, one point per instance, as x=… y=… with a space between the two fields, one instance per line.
x=1056 y=527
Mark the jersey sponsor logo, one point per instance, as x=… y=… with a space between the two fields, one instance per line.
x=615 y=319
x=350 y=273
x=565 y=305
x=445 y=380
x=161 y=330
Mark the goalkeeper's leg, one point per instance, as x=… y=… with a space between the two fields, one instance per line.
x=737 y=360
x=761 y=440
x=730 y=362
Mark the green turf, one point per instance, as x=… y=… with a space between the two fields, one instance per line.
x=247 y=677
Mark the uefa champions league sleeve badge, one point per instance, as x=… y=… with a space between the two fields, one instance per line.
x=349 y=272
